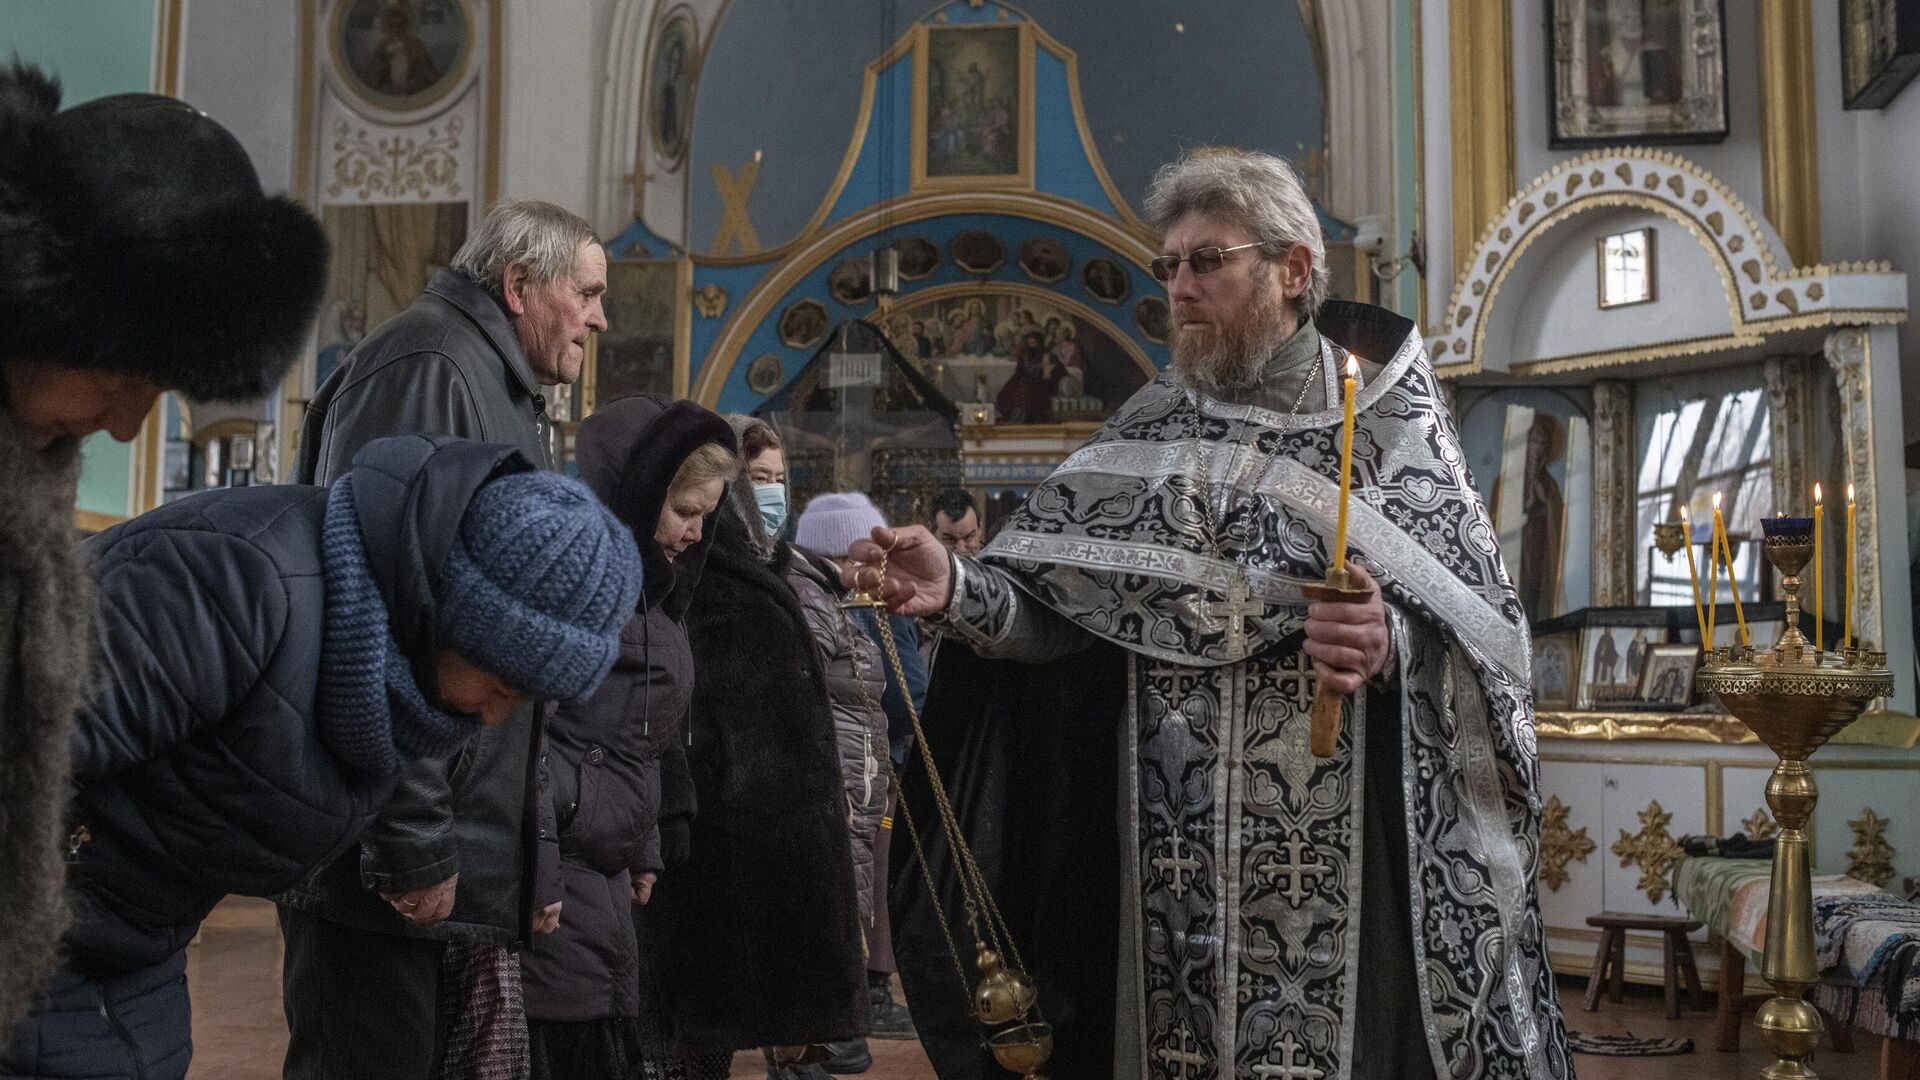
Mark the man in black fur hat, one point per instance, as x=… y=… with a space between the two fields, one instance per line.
x=140 y=256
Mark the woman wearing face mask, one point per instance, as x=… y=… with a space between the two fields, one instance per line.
x=593 y=1005
x=758 y=931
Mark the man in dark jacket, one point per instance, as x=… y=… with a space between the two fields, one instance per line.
x=449 y=877
x=270 y=657
x=140 y=255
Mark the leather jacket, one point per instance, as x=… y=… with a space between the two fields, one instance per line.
x=449 y=364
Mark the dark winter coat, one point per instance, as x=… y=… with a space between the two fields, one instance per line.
x=759 y=930
x=605 y=754
x=856 y=681
x=123 y=1027
x=201 y=767
x=450 y=364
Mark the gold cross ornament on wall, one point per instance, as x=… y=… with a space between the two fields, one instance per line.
x=637 y=181
x=735 y=225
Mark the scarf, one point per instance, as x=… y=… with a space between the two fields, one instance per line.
x=371 y=709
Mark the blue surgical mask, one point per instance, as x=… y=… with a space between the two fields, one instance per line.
x=773 y=505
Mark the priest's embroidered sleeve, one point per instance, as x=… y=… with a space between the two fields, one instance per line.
x=993 y=614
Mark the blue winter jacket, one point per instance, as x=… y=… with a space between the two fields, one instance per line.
x=199 y=767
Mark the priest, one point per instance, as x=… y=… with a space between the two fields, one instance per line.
x=1369 y=914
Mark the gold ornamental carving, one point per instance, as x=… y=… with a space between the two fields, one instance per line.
x=1652 y=849
x=1559 y=844
x=397 y=166
x=1760 y=826
x=1872 y=857
x=1787 y=298
x=710 y=300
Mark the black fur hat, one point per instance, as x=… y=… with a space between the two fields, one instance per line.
x=134 y=237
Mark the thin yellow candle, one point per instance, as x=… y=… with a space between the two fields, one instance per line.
x=1819 y=624
x=1846 y=598
x=1713 y=583
x=1693 y=578
x=1733 y=585
x=1346 y=464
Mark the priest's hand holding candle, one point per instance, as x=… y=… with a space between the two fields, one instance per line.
x=1347 y=616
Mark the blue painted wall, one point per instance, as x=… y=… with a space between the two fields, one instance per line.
x=784 y=79
x=784 y=76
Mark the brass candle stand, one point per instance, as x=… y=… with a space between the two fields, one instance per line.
x=1794 y=698
x=1005 y=993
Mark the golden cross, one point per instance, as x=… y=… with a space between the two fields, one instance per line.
x=637 y=180
x=735 y=225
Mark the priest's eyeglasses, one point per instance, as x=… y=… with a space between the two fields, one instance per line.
x=1203 y=260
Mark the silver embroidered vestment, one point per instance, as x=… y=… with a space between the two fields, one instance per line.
x=1246 y=852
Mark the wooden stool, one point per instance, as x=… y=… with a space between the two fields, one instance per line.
x=1610 y=962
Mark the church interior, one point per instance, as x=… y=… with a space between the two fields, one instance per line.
x=1661 y=254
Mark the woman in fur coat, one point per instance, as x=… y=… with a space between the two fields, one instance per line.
x=758 y=932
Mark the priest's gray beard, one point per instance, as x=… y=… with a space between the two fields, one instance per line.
x=1229 y=356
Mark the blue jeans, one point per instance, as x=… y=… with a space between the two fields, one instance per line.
x=133 y=1026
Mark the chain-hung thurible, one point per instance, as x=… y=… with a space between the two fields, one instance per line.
x=1004 y=993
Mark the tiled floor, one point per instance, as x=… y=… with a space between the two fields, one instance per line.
x=239 y=1032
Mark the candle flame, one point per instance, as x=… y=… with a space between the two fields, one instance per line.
x=1816 y=494
x=1353 y=366
x=1716 y=500
x=1683 y=515
x=1849 y=493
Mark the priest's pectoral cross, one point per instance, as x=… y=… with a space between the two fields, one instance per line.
x=1296 y=869
x=1182 y=867
x=1290 y=1066
x=1235 y=609
x=1182 y=1053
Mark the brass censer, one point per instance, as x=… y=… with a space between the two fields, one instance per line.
x=1795 y=698
x=1004 y=994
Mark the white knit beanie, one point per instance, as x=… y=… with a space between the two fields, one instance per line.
x=832 y=522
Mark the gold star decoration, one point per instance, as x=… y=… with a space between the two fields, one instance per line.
x=1760 y=826
x=1653 y=850
x=1559 y=844
x=1872 y=857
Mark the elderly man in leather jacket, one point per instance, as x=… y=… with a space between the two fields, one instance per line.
x=463 y=865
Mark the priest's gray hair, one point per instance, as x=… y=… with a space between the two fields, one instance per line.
x=1259 y=191
x=544 y=237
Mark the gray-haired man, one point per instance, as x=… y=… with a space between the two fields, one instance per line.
x=383 y=943
x=1371 y=914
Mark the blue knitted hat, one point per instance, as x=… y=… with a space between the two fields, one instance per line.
x=539 y=585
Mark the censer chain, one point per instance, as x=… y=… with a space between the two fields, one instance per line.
x=973 y=883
